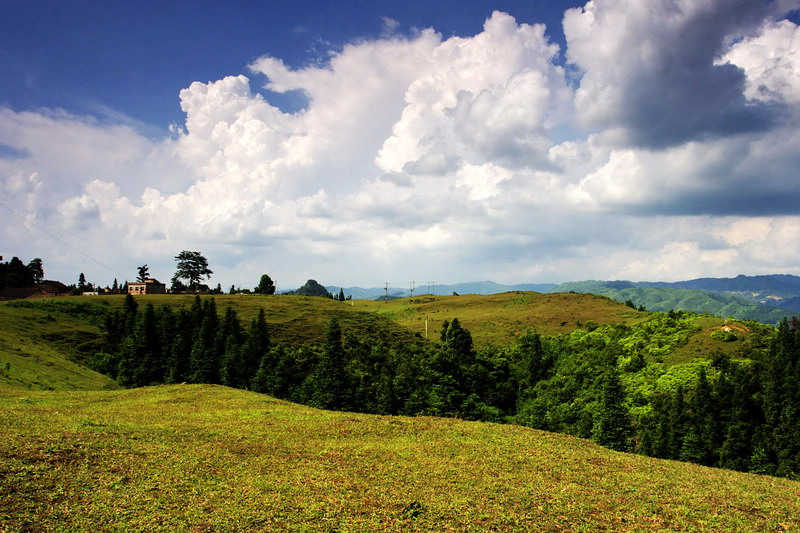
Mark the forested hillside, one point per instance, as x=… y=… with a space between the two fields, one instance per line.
x=673 y=385
x=663 y=299
x=779 y=290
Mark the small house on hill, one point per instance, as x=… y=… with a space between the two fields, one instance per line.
x=148 y=286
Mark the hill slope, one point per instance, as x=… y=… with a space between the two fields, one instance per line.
x=779 y=290
x=498 y=318
x=43 y=350
x=200 y=458
x=663 y=299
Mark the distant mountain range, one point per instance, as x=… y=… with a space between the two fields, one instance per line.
x=766 y=298
x=778 y=290
x=477 y=287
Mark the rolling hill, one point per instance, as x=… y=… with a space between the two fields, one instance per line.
x=778 y=290
x=662 y=299
x=203 y=458
x=742 y=297
x=41 y=350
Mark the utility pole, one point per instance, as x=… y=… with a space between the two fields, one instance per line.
x=386 y=290
x=412 y=289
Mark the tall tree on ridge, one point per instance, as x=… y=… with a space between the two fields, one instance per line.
x=144 y=274
x=192 y=266
x=265 y=285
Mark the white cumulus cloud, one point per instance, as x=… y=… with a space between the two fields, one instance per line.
x=669 y=152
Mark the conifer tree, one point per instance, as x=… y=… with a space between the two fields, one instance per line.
x=330 y=384
x=256 y=345
x=180 y=351
x=204 y=359
x=612 y=425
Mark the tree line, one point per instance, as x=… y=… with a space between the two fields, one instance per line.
x=605 y=383
x=16 y=274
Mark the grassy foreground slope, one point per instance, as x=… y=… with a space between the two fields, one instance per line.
x=42 y=350
x=202 y=458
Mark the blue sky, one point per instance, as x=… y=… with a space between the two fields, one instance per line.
x=134 y=57
x=360 y=142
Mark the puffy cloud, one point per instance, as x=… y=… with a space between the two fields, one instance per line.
x=491 y=97
x=771 y=63
x=650 y=68
x=452 y=159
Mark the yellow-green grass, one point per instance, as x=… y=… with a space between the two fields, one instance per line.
x=41 y=350
x=208 y=458
x=292 y=319
x=499 y=318
x=492 y=319
x=496 y=319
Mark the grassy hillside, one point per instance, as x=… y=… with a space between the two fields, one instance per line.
x=202 y=458
x=496 y=319
x=42 y=350
x=492 y=319
x=499 y=318
x=292 y=319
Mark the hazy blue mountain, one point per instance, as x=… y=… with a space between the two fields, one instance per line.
x=421 y=288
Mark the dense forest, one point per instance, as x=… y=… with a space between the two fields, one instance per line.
x=607 y=383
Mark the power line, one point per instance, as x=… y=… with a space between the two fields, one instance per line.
x=62 y=241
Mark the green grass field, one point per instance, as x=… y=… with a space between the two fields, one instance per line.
x=42 y=350
x=208 y=458
x=75 y=457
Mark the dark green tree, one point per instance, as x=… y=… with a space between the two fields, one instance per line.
x=192 y=267
x=228 y=344
x=256 y=345
x=204 y=360
x=181 y=348
x=265 y=285
x=140 y=359
x=329 y=381
x=341 y=295
x=612 y=426
x=144 y=274
x=36 y=271
x=82 y=282
x=15 y=274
